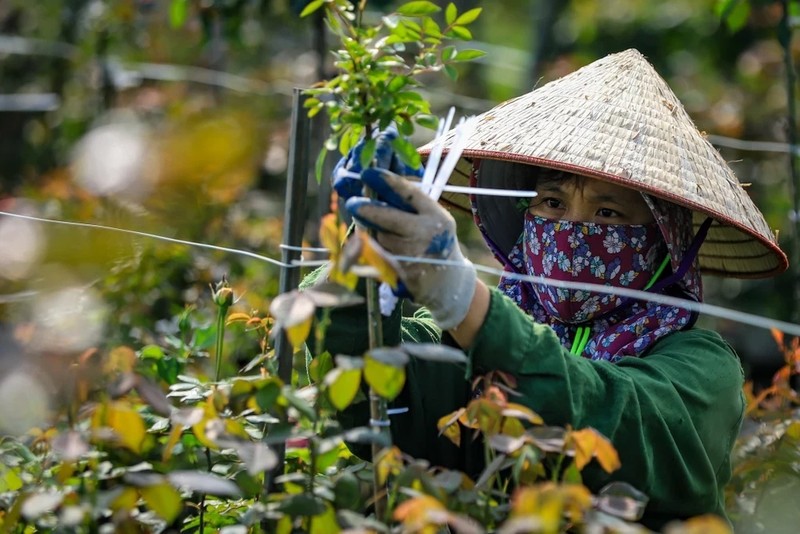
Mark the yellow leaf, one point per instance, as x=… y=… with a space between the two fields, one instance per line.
x=174 y=436
x=390 y=461
x=126 y=500
x=519 y=411
x=793 y=430
x=127 y=424
x=238 y=317
x=120 y=360
x=298 y=333
x=584 y=443
x=512 y=427
x=348 y=280
x=331 y=233
x=704 y=524
x=374 y=255
x=325 y=523
x=606 y=454
x=164 y=500
x=418 y=512
x=199 y=428
x=386 y=380
x=343 y=386
x=449 y=427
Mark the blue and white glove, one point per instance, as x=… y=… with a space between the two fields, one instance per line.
x=384 y=158
x=409 y=223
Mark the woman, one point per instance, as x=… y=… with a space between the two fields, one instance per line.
x=629 y=195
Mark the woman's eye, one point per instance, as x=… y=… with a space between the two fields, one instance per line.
x=553 y=203
x=607 y=213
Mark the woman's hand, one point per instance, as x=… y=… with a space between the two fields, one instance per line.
x=409 y=223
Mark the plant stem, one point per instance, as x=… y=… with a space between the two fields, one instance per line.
x=202 y=526
x=221 y=313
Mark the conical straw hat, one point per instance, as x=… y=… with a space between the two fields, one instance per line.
x=617 y=120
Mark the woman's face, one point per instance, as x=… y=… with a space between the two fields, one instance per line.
x=581 y=199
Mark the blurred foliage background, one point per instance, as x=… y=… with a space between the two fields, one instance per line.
x=172 y=117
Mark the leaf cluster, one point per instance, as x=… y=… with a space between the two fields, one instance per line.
x=379 y=69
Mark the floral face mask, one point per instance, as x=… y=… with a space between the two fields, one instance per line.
x=620 y=255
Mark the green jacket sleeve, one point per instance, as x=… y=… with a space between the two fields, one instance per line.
x=672 y=415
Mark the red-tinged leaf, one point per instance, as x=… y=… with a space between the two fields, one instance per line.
x=777 y=335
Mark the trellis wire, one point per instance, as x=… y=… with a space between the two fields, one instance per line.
x=700 y=307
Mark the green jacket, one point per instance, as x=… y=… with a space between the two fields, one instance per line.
x=673 y=414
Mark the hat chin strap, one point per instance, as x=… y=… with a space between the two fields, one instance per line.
x=686 y=261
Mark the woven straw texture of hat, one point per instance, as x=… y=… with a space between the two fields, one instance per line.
x=617 y=120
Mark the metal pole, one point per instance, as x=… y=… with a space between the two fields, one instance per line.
x=294 y=219
x=785 y=39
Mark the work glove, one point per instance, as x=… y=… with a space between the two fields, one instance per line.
x=409 y=223
x=384 y=158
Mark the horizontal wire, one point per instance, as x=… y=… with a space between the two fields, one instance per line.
x=149 y=235
x=303 y=249
x=700 y=307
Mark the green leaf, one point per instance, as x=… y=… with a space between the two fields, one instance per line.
x=396 y=83
x=468 y=17
x=343 y=385
x=367 y=153
x=164 y=500
x=320 y=164
x=734 y=13
x=451 y=72
x=468 y=55
x=418 y=8
x=450 y=13
x=151 y=352
x=404 y=127
x=320 y=366
x=385 y=379
x=178 y=12
x=460 y=32
x=267 y=394
x=311 y=7
x=427 y=121
x=431 y=28
x=448 y=53
x=406 y=152
x=302 y=504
